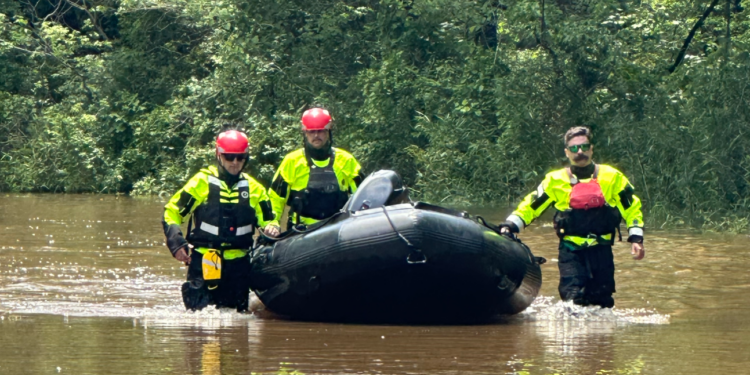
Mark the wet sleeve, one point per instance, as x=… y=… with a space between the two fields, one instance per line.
x=356 y=175
x=182 y=204
x=261 y=203
x=174 y=236
x=629 y=206
x=278 y=193
x=532 y=206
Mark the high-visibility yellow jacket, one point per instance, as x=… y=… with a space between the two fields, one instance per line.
x=317 y=199
x=555 y=191
x=225 y=217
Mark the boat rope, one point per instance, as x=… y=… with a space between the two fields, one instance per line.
x=264 y=240
x=509 y=234
x=416 y=256
x=497 y=228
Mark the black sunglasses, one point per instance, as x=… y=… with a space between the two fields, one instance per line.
x=233 y=157
x=585 y=147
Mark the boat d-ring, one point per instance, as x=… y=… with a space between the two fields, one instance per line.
x=418 y=257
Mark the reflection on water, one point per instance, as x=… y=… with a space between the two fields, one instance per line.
x=87 y=287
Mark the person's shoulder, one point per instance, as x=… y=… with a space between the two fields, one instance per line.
x=252 y=182
x=204 y=172
x=605 y=169
x=557 y=174
x=611 y=175
x=197 y=183
x=343 y=154
x=292 y=159
x=295 y=159
x=295 y=155
x=293 y=164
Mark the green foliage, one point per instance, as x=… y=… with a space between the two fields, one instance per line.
x=468 y=100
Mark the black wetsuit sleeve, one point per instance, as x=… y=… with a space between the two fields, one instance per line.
x=175 y=239
x=359 y=178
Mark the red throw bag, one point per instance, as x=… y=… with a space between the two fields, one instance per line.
x=586 y=195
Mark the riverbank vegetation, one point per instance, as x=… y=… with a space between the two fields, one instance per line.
x=468 y=100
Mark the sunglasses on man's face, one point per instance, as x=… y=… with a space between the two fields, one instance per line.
x=233 y=157
x=585 y=147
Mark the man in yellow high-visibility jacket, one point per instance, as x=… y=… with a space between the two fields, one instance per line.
x=315 y=181
x=591 y=200
x=227 y=206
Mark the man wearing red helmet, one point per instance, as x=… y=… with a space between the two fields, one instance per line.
x=226 y=206
x=316 y=180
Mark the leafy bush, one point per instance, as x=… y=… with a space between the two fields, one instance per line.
x=468 y=100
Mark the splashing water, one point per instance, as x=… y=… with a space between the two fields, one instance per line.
x=549 y=309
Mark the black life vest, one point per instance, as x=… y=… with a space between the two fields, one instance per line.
x=224 y=225
x=322 y=197
x=597 y=219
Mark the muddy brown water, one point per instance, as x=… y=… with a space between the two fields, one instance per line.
x=87 y=287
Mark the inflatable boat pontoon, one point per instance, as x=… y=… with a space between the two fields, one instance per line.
x=384 y=259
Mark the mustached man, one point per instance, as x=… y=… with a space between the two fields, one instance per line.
x=591 y=200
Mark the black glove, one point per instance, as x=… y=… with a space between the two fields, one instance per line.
x=510 y=225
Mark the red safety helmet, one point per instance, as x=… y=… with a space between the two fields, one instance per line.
x=231 y=142
x=316 y=119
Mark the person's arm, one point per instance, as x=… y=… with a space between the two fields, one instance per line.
x=261 y=203
x=531 y=207
x=182 y=204
x=629 y=206
x=356 y=175
x=278 y=193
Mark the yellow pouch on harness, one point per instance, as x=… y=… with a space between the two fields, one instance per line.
x=212 y=268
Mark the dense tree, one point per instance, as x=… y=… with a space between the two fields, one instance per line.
x=466 y=99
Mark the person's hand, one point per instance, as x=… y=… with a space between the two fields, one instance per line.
x=638 y=251
x=271 y=231
x=182 y=255
x=507 y=228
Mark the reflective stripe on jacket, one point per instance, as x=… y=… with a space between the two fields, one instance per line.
x=293 y=175
x=219 y=220
x=555 y=191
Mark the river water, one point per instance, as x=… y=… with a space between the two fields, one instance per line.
x=87 y=287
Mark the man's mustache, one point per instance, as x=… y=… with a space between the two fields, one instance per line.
x=581 y=157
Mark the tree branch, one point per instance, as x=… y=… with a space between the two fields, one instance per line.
x=683 y=50
x=728 y=37
x=542 y=41
x=544 y=24
x=94 y=21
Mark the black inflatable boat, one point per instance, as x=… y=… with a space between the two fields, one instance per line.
x=386 y=260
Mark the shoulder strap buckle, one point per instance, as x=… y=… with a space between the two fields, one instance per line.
x=573 y=179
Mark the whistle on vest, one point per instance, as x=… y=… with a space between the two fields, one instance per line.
x=212 y=268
